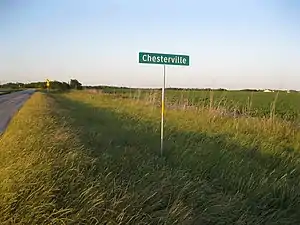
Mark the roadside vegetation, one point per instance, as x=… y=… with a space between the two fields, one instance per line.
x=8 y=91
x=255 y=103
x=94 y=158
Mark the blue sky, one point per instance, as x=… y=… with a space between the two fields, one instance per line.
x=231 y=44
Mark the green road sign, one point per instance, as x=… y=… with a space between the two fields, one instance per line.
x=166 y=59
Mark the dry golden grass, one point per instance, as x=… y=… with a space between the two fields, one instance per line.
x=86 y=158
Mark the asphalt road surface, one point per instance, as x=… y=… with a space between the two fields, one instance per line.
x=10 y=104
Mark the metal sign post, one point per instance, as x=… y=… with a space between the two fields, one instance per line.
x=165 y=59
x=162 y=113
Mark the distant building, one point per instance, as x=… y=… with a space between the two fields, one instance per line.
x=267 y=90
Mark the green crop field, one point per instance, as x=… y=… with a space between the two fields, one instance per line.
x=94 y=158
x=259 y=104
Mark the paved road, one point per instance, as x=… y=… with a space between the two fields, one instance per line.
x=10 y=104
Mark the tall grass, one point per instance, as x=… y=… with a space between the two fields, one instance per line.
x=86 y=158
x=257 y=104
x=250 y=157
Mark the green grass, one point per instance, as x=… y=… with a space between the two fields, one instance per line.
x=80 y=158
x=258 y=104
x=8 y=91
x=5 y=92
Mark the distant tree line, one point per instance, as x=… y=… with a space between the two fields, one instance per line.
x=75 y=84
x=54 y=85
x=105 y=87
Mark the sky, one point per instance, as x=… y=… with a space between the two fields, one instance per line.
x=232 y=44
